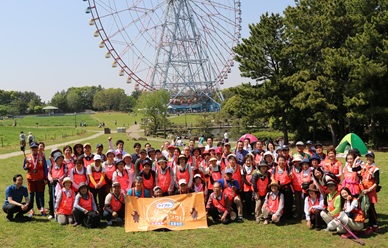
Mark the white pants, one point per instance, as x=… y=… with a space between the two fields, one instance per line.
x=333 y=224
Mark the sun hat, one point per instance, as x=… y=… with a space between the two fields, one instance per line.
x=110 y=151
x=305 y=160
x=315 y=157
x=197 y=176
x=312 y=187
x=87 y=144
x=300 y=143
x=162 y=159
x=263 y=164
x=97 y=157
x=66 y=179
x=231 y=156
x=297 y=157
x=119 y=161
x=182 y=181
x=274 y=183
x=116 y=184
x=212 y=159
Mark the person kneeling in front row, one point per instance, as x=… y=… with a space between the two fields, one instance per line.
x=218 y=206
x=273 y=204
x=114 y=205
x=83 y=204
x=13 y=200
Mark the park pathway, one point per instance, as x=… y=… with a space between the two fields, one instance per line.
x=48 y=148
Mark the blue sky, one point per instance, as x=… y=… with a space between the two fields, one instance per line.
x=48 y=46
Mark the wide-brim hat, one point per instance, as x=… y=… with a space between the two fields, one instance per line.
x=182 y=156
x=297 y=157
x=118 y=161
x=162 y=159
x=66 y=179
x=77 y=145
x=231 y=156
x=110 y=151
x=212 y=159
x=273 y=183
x=312 y=187
x=87 y=144
x=206 y=152
x=268 y=153
x=305 y=160
x=81 y=185
x=331 y=182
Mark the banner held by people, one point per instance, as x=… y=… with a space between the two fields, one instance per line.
x=178 y=212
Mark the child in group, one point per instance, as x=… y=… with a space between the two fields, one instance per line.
x=260 y=181
x=351 y=214
x=83 y=203
x=313 y=205
x=247 y=190
x=273 y=204
x=296 y=181
x=370 y=186
x=64 y=203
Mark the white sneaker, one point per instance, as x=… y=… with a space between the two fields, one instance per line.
x=31 y=213
x=109 y=223
x=50 y=217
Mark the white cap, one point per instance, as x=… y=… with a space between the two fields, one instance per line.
x=97 y=157
x=182 y=181
x=300 y=143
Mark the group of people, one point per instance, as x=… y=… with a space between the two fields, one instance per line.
x=247 y=182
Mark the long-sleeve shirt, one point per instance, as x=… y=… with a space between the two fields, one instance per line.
x=45 y=169
x=256 y=175
x=227 y=203
x=350 y=206
x=320 y=206
x=337 y=203
x=163 y=172
x=78 y=207
x=281 y=201
x=59 y=196
x=56 y=167
x=230 y=183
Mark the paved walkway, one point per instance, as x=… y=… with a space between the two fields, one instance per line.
x=18 y=153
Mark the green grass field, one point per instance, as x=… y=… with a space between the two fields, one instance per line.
x=41 y=232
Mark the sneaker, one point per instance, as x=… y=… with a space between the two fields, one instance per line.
x=369 y=230
x=50 y=217
x=109 y=223
x=346 y=236
x=75 y=224
x=326 y=229
x=9 y=218
x=265 y=222
x=240 y=219
x=43 y=212
x=31 y=213
x=257 y=220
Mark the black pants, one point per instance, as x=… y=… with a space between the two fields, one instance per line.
x=12 y=209
x=216 y=215
x=248 y=204
x=79 y=216
x=108 y=215
x=372 y=215
x=316 y=219
x=99 y=195
x=52 y=197
x=288 y=201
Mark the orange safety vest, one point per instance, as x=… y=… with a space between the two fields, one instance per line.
x=283 y=178
x=123 y=180
x=70 y=165
x=262 y=186
x=351 y=181
x=237 y=174
x=182 y=175
x=248 y=177
x=357 y=213
x=35 y=170
x=109 y=171
x=66 y=204
x=273 y=205
x=215 y=175
x=87 y=204
x=79 y=178
x=142 y=192
x=296 y=179
x=311 y=204
x=219 y=204
x=330 y=204
x=149 y=183
x=228 y=190
x=57 y=173
x=367 y=176
x=97 y=176
x=116 y=204
x=88 y=162
x=164 y=181
x=334 y=168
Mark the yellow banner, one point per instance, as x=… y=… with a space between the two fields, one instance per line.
x=178 y=212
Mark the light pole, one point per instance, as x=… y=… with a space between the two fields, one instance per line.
x=75 y=119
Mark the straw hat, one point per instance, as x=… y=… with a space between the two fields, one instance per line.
x=274 y=183
x=66 y=179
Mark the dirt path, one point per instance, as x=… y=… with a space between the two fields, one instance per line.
x=48 y=148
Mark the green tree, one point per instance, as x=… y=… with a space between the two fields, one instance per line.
x=111 y=99
x=59 y=100
x=154 y=106
x=74 y=100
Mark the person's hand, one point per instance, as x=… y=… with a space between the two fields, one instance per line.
x=114 y=214
x=86 y=211
x=98 y=185
x=365 y=191
x=45 y=181
x=308 y=224
x=234 y=188
x=109 y=138
x=275 y=217
x=256 y=197
x=223 y=218
x=24 y=207
x=310 y=209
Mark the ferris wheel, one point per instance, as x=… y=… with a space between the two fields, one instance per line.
x=184 y=46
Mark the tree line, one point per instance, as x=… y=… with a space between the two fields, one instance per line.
x=319 y=71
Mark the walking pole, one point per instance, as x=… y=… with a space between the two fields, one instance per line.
x=357 y=239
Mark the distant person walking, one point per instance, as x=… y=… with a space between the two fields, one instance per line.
x=22 y=138
x=30 y=138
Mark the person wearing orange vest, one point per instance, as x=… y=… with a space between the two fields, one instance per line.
x=83 y=203
x=110 y=167
x=331 y=164
x=183 y=171
x=139 y=191
x=148 y=176
x=260 y=180
x=78 y=174
x=333 y=206
x=183 y=188
x=97 y=183
x=77 y=150
x=247 y=188
x=296 y=181
x=282 y=174
x=121 y=176
x=36 y=167
x=114 y=209
x=57 y=172
x=351 y=214
x=212 y=173
x=352 y=172
x=231 y=188
x=273 y=204
x=370 y=186
x=69 y=161
x=130 y=168
x=64 y=203
x=87 y=156
x=313 y=205
x=218 y=205
x=235 y=167
x=199 y=186
x=164 y=177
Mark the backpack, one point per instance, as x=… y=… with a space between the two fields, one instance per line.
x=92 y=219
